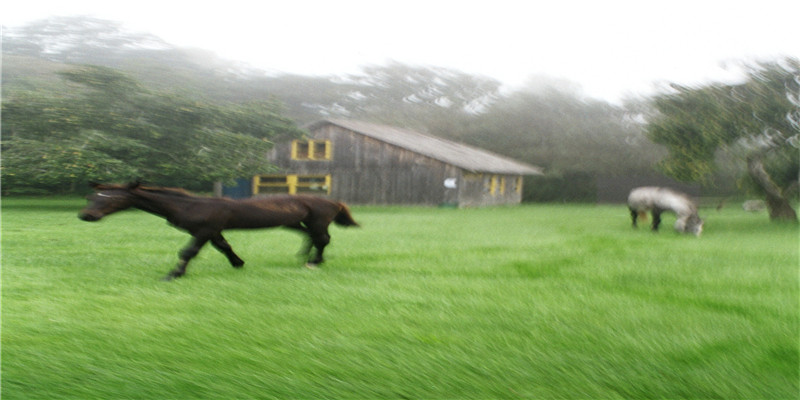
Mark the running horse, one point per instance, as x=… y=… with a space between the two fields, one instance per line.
x=657 y=200
x=205 y=217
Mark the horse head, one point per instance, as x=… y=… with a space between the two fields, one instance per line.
x=107 y=199
x=694 y=225
x=691 y=224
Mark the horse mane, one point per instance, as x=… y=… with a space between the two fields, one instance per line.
x=176 y=192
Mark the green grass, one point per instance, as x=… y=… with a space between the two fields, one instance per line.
x=538 y=301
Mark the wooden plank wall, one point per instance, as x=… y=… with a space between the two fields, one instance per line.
x=368 y=171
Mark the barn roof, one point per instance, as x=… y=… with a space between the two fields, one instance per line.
x=460 y=155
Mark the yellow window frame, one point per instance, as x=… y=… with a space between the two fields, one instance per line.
x=493 y=185
x=311 y=183
x=292 y=183
x=308 y=150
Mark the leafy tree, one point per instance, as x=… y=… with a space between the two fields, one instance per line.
x=111 y=128
x=758 y=120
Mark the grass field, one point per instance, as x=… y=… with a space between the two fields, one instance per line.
x=537 y=301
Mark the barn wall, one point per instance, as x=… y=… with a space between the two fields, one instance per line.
x=368 y=171
x=478 y=190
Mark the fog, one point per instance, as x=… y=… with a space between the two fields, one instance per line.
x=611 y=49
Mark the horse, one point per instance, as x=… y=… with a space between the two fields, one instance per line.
x=206 y=217
x=658 y=200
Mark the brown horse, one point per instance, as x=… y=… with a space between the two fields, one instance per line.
x=205 y=218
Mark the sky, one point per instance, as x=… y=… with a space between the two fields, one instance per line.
x=612 y=49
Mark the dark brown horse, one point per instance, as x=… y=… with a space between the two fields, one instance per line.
x=205 y=218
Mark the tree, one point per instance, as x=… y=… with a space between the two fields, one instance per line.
x=758 y=120
x=110 y=128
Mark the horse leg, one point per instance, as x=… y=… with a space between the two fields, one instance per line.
x=224 y=247
x=319 y=240
x=307 y=239
x=656 y=219
x=186 y=255
x=308 y=244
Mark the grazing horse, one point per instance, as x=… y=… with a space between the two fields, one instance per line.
x=658 y=200
x=205 y=218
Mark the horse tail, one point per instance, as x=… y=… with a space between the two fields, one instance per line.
x=343 y=217
x=643 y=215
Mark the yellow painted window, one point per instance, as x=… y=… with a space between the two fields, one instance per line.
x=292 y=184
x=314 y=150
x=493 y=185
x=319 y=184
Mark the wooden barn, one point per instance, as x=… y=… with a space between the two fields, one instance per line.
x=365 y=163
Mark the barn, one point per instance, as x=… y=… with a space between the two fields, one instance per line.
x=365 y=163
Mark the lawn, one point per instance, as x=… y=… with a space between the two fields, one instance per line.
x=536 y=301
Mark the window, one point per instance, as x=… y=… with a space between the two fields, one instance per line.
x=495 y=184
x=267 y=184
x=313 y=150
x=292 y=184
x=316 y=184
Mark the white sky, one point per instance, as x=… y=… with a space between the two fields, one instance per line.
x=612 y=48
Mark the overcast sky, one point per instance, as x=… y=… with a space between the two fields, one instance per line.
x=611 y=48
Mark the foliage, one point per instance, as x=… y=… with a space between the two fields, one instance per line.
x=758 y=115
x=692 y=154
x=418 y=303
x=417 y=97
x=573 y=187
x=34 y=166
x=109 y=127
x=758 y=119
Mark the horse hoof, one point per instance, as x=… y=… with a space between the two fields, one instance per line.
x=311 y=266
x=167 y=278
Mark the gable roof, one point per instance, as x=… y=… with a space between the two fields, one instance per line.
x=460 y=155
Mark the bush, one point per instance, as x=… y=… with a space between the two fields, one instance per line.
x=571 y=187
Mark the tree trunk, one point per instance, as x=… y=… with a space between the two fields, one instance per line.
x=779 y=207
